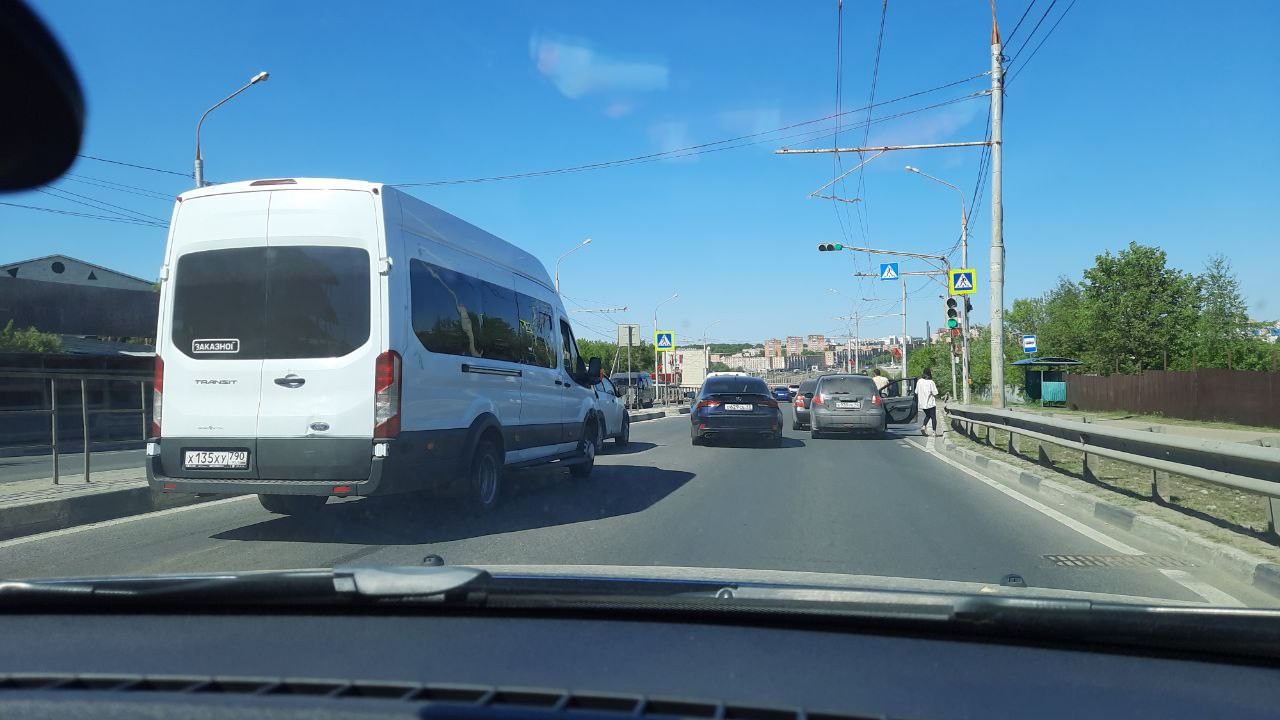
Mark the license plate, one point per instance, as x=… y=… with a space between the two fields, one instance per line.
x=216 y=459
x=737 y=407
x=849 y=405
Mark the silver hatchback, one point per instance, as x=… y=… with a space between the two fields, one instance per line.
x=846 y=403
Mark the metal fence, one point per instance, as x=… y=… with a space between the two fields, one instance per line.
x=62 y=412
x=1250 y=468
x=1242 y=396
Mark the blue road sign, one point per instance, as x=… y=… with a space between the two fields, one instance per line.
x=664 y=340
x=1028 y=343
x=888 y=271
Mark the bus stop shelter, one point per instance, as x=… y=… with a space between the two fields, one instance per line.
x=1047 y=378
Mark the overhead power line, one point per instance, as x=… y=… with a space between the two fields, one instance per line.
x=97 y=204
x=864 y=213
x=1008 y=40
x=1023 y=46
x=1041 y=43
x=135 y=165
x=118 y=187
x=691 y=149
x=108 y=218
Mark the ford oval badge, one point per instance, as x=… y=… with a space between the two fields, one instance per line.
x=319 y=426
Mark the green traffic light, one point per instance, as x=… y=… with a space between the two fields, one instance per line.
x=838 y=246
x=951 y=323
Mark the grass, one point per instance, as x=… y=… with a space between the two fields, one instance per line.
x=1223 y=515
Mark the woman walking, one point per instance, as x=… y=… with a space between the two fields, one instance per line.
x=927 y=401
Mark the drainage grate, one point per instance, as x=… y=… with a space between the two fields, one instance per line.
x=1117 y=561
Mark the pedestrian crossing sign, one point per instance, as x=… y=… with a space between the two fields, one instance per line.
x=888 y=271
x=664 y=340
x=962 y=281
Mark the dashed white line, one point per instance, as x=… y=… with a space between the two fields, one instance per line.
x=1187 y=580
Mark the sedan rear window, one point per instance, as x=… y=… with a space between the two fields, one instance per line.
x=254 y=303
x=726 y=385
x=848 y=385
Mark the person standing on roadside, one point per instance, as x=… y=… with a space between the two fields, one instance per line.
x=927 y=400
x=880 y=380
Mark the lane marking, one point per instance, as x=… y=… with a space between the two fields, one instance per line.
x=1201 y=588
x=119 y=521
x=1210 y=593
x=1092 y=534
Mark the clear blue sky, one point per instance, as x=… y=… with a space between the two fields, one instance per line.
x=1153 y=121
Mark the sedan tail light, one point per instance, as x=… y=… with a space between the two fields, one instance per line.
x=770 y=402
x=816 y=401
x=707 y=404
x=875 y=399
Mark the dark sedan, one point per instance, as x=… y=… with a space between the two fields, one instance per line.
x=735 y=407
x=781 y=393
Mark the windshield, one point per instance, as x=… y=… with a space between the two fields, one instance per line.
x=338 y=287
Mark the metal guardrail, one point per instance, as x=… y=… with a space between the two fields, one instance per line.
x=1250 y=468
x=54 y=381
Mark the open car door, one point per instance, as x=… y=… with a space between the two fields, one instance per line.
x=899 y=401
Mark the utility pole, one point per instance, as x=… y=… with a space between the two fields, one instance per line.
x=997 y=217
x=903 y=385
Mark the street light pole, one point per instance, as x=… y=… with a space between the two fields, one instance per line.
x=706 y=354
x=655 y=340
x=199 y=163
x=572 y=250
x=964 y=262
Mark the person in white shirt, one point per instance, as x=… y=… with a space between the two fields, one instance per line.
x=881 y=381
x=927 y=401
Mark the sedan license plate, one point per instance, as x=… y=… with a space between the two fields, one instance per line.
x=215 y=459
x=849 y=405
x=737 y=407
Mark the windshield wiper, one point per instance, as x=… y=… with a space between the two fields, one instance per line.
x=288 y=586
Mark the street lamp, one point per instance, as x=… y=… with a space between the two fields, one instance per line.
x=575 y=248
x=964 y=262
x=199 y=165
x=655 y=339
x=706 y=354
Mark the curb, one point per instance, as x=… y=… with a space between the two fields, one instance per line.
x=1240 y=565
x=655 y=414
x=61 y=513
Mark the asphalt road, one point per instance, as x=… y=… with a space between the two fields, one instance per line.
x=859 y=506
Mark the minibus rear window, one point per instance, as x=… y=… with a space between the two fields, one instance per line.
x=254 y=303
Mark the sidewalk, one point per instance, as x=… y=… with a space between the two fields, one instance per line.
x=36 y=505
x=1265 y=437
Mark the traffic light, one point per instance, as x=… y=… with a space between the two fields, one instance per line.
x=829 y=247
x=953 y=315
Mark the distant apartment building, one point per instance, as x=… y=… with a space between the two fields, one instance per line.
x=816 y=343
x=749 y=364
x=829 y=358
x=773 y=348
x=795 y=345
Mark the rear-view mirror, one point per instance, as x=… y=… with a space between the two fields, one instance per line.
x=593 y=369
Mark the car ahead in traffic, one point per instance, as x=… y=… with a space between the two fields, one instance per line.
x=851 y=403
x=615 y=421
x=800 y=406
x=322 y=337
x=635 y=388
x=781 y=393
x=737 y=407
x=792 y=390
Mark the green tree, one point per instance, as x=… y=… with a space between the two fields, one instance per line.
x=29 y=340
x=719 y=367
x=1138 y=308
x=1223 y=325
